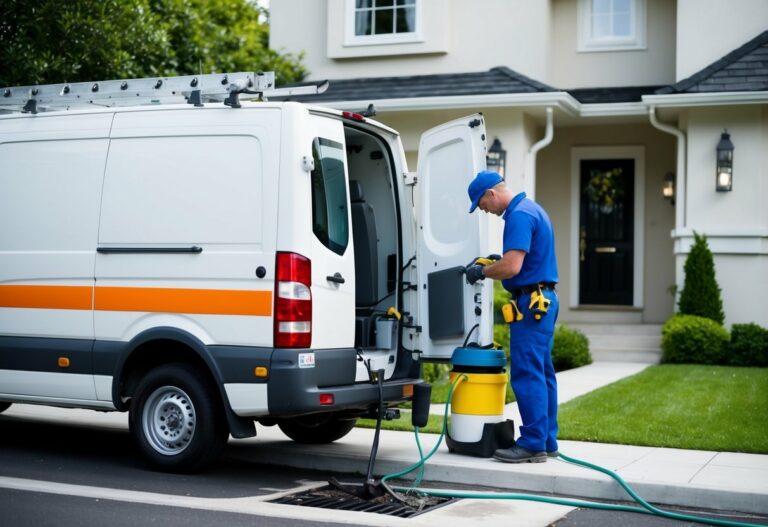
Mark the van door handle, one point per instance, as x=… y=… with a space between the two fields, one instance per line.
x=194 y=249
x=336 y=278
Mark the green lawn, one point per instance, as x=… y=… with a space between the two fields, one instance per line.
x=678 y=406
x=434 y=424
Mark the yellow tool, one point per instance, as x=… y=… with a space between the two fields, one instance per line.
x=539 y=304
x=511 y=312
x=392 y=312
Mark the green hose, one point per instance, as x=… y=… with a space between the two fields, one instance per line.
x=646 y=508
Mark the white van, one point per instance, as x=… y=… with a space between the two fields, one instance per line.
x=207 y=266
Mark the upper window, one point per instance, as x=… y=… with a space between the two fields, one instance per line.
x=383 y=21
x=330 y=219
x=611 y=25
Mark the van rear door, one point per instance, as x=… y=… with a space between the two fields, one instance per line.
x=449 y=238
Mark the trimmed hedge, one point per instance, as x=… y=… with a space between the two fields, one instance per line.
x=694 y=340
x=749 y=345
x=570 y=349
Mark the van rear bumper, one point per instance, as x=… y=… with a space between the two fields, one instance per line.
x=297 y=378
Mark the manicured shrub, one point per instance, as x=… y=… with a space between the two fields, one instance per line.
x=570 y=349
x=500 y=297
x=701 y=294
x=694 y=340
x=433 y=372
x=749 y=345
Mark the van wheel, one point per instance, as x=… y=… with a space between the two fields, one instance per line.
x=177 y=419
x=317 y=428
x=4 y=407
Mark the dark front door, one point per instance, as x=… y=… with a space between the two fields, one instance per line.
x=606 y=231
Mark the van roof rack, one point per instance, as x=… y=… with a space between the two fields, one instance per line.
x=228 y=88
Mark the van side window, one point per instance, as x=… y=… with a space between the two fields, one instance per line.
x=330 y=221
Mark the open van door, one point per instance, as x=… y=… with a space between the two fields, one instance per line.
x=450 y=156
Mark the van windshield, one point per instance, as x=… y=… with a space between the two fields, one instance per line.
x=329 y=195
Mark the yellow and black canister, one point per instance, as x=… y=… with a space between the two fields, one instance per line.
x=478 y=426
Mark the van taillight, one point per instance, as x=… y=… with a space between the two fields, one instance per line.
x=293 y=301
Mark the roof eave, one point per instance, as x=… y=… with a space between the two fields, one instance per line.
x=687 y=100
x=561 y=100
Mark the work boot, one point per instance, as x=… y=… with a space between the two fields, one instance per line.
x=553 y=453
x=518 y=454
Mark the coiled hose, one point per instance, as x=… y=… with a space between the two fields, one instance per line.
x=645 y=508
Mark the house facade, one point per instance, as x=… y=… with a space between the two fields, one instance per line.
x=608 y=112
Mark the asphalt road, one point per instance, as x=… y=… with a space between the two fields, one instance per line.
x=73 y=472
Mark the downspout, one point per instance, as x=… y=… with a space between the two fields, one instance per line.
x=529 y=184
x=680 y=195
x=680 y=177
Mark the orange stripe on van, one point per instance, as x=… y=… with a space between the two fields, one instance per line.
x=192 y=301
x=46 y=296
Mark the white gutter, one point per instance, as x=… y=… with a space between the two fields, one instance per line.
x=560 y=100
x=683 y=100
x=616 y=109
x=529 y=175
x=681 y=176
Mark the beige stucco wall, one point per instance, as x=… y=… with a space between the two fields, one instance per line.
x=736 y=222
x=651 y=66
x=554 y=193
x=477 y=36
x=745 y=206
x=710 y=29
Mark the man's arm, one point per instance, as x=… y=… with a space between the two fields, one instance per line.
x=509 y=265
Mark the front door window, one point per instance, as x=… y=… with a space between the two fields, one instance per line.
x=606 y=231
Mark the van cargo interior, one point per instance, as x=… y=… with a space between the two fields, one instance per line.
x=375 y=234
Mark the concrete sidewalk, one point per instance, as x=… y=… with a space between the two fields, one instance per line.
x=664 y=476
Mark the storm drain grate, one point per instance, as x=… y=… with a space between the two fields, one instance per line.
x=331 y=498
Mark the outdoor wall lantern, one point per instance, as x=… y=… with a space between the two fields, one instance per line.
x=724 y=182
x=496 y=159
x=669 y=187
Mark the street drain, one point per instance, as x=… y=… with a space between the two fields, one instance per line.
x=329 y=497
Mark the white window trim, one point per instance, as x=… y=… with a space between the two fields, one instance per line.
x=587 y=44
x=609 y=152
x=350 y=39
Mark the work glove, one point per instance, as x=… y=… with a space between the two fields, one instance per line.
x=474 y=273
x=487 y=260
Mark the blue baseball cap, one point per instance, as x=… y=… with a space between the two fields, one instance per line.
x=483 y=181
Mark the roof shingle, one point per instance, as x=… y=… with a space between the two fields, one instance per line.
x=743 y=69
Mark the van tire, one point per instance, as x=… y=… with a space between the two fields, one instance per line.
x=177 y=419
x=317 y=429
x=4 y=407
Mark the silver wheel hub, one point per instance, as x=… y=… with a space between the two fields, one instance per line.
x=169 y=420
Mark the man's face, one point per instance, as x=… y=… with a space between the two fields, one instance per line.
x=490 y=203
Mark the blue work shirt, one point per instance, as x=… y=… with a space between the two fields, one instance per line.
x=527 y=228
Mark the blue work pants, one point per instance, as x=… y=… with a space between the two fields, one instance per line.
x=532 y=375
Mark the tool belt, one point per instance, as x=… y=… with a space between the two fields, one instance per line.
x=527 y=289
x=538 y=305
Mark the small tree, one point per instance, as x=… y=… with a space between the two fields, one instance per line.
x=701 y=294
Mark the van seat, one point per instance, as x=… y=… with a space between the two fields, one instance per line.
x=366 y=252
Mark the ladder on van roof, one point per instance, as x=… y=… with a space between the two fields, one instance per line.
x=228 y=88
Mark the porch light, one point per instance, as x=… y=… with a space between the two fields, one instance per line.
x=669 y=187
x=496 y=159
x=724 y=182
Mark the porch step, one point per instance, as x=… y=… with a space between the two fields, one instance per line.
x=623 y=342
